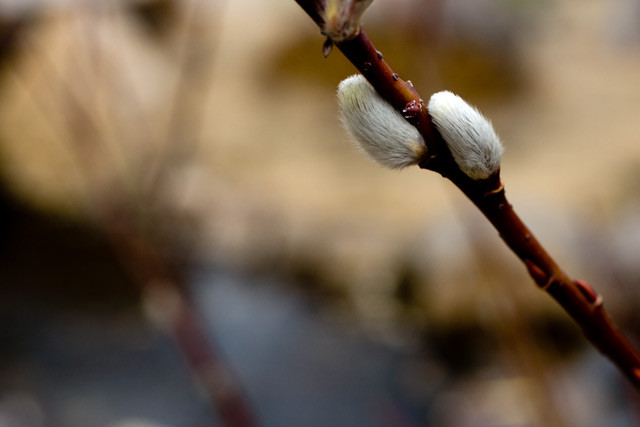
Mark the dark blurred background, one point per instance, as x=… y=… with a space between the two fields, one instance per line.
x=188 y=238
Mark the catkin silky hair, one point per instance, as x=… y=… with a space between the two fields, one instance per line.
x=469 y=135
x=378 y=128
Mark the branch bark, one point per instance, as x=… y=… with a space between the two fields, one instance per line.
x=576 y=297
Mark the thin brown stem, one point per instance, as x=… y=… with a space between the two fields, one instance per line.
x=141 y=250
x=164 y=291
x=577 y=298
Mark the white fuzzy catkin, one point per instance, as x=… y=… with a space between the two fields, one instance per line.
x=378 y=128
x=469 y=135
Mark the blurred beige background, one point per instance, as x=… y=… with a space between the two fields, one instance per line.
x=216 y=121
x=234 y=107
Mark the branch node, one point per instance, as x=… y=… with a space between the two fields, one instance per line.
x=497 y=190
x=539 y=276
x=412 y=109
x=588 y=292
x=550 y=282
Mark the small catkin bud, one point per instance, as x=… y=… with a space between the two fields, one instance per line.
x=342 y=18
x=469 y=135
x=378 y=128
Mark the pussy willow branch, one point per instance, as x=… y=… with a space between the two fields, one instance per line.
x=576 y=297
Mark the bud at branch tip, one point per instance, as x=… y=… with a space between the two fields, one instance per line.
x=342 y=18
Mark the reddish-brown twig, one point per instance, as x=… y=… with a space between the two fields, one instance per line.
x=576 y=297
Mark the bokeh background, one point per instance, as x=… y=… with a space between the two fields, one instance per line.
x=189 y=238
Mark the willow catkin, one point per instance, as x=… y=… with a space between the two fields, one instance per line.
x=377 y=127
